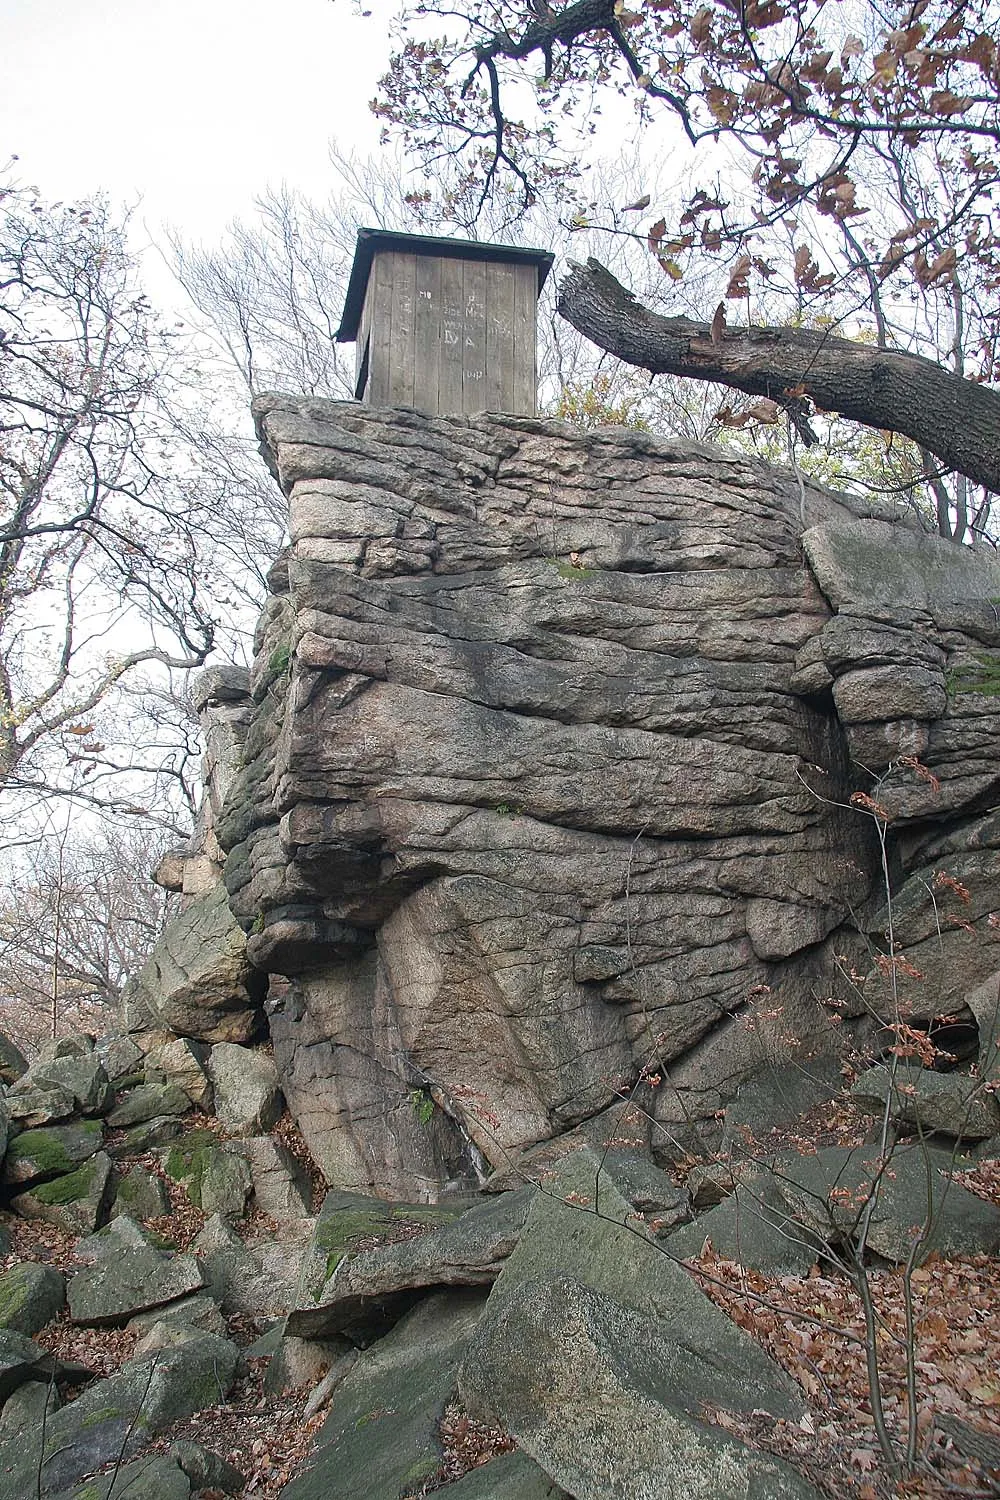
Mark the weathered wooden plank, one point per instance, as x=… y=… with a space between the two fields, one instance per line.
x=525 y=392
x=498 y=392
x=402 y=355
x=452 y=334
x=380 y=339
x=474 y=337
x=427 y=325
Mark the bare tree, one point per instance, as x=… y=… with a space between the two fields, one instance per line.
x=99 y=532
x=77 y=919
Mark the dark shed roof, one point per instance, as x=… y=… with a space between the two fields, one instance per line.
x=372 y=240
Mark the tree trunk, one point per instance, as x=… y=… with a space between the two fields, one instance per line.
x=956 y=419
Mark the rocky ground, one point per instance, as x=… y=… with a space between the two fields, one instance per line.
x=198 y=1315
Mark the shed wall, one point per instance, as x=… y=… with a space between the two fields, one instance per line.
x=448 y=336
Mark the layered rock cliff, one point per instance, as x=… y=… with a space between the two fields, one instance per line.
x=547 y=784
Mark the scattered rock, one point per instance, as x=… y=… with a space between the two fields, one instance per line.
x=366 y=1291
x=128 y=1282
x=381 y=1435
x=31 y=1106
x=225 y=1184
x=82 y=1077
x=827 y=1193
x=281 y=1188
x=37 y=1155
x=198 y=981
x=181 y=1061
x=76 y=1202
x=952 y=1104
x=121 y=1057
x=116 y=1416
x=30 y=1297
x=234 y=1276
x=608 y=1405
x=141 y=1195
x=12 y=1061
x=754 y=1227
x=150 y=1101
x=247 y=1097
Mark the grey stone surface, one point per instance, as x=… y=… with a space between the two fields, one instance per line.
x=156 y=1476
x=754 y=1227
x=953 y=1104
x=225 y=1184
x=52 y=1151
x=140 y=1194
x=12 y=1060
x=197 y=981
x=582 y=1228
x=25 y=1409
x=247 y=1095
x=116 y=1416
x=509 y=1476
x=181 y=1061
x=501 y=881
x=82 y=1078
x=281 y=1188
x=21 y=1361
x=120 y=1055
x=607 y=1409
x=30 y=1296
x=76 y=1202
x=30 y=1106
x=130 y=1281
x=367 y=1290
x=149 y=1101
x=234 y=1275
x=380 y=1437
x=915 y=1200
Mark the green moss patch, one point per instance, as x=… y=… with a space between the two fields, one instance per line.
x=69 y=1188
x=187 y=1162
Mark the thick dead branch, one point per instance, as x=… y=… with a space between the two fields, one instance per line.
x=954 y=418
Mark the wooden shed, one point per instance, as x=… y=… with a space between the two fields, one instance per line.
x=446 y=326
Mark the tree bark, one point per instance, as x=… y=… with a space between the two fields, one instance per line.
x=956 y=419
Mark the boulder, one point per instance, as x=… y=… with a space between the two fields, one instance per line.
x=136 y=1140
x=953 y=1104
x=12 y=1061
x=181 y=1061
x=150 y=1101
x=191 y=1159
x=120 y=1056
x=754 y=1227
x=579 y=1226
x=37 y=1155
x=607 y=1406
x=32 y=1106
x=30 y=1296
x=129 y=1281
x=225 y=1184
x=199 y=1311
x=141 y=1195
x=198 y=981
x=235 y=1277
x=26 y=1408
x=509 y=1476
x=76 y=1202
x=21 y=1361
x=281 y=1188
x=116 y=1416
x=156 y=1476
x=247 y=1096
x=83 y=1078
x=915 y=1201
x=381 y=1435
x=348 y=1221
x=369 y=1289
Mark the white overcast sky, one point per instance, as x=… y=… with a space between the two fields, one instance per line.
x=191 y=106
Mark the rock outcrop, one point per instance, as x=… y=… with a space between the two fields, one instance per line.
x=547 y=787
